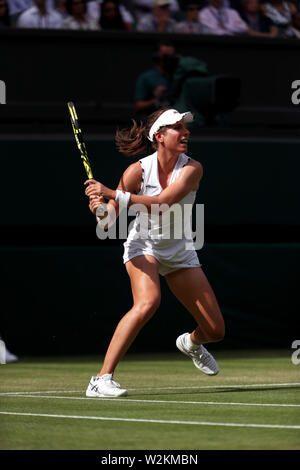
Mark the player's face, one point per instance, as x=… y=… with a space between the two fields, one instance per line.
x=175 y=137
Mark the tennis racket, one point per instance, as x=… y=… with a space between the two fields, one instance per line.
x=79 y=139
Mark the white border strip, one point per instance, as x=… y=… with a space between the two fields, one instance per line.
x=157 y=421
x=135 y=400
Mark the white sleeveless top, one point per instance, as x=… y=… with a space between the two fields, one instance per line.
x=175 y=223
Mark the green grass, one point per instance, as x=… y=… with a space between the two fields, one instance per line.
x=56 y=386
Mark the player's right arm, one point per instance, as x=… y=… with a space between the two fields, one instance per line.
x=130 y=181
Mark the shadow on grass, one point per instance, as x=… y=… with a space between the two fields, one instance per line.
x=210 y=392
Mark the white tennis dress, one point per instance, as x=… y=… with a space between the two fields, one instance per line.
x=167 y=237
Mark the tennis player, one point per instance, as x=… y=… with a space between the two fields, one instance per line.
x=166 y=177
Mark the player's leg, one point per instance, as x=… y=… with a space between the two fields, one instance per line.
x=193 y=290
x=145 y=286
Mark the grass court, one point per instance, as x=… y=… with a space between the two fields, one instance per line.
x=252 y=404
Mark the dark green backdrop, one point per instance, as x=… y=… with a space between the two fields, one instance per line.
x=63 y=290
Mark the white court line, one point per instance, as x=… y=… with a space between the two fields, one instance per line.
x=135 y=400
x=158 y=421
x=41 y=391
x=164 y=388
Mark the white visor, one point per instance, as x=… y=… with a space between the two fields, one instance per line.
x=169 y=117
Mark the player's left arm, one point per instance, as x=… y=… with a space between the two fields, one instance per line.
x=188 y=180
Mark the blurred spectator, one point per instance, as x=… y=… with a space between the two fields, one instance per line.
x=61 y=7
x=296 y=25
x=158 y=20
x=222 y=20
x=259 y=25
x=142 y=7
x=152 y=84
x=77 y=17
x=111 y=18
x=4 y=15
x=280 y=13
x=40 y=16
x=192 y=24
x=94 y=11
x=18 y=6
x=235 y=4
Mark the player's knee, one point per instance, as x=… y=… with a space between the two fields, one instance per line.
x=147 y=307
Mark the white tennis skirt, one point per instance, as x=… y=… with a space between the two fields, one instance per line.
x=171 y=255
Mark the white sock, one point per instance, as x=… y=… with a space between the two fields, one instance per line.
x=190 y=344
x=105 y=376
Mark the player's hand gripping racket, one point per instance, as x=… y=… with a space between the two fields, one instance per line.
x=79 y=139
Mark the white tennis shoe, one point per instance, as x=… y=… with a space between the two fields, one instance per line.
x=104 y=386
x=202 y=359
